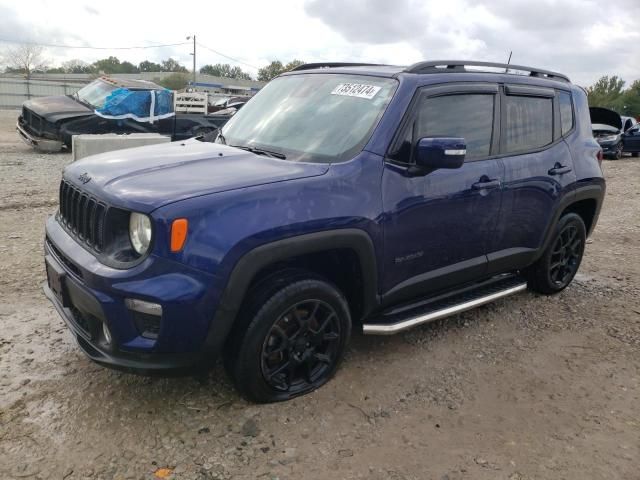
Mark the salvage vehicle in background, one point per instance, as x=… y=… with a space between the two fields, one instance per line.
x=631 y=140
x=615 y=134
x=48 y=123
x=341 y=196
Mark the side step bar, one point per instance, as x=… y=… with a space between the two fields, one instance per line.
x=445 y=310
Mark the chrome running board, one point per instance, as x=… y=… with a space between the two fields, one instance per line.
x=438 y=313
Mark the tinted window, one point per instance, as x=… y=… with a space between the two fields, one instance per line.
x=566 y=112
x=467 y=116
x=529 y=123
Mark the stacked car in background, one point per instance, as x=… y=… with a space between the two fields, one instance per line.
x=615 y=134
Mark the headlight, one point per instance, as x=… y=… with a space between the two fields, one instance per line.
x=140 y=232
x=609 y=138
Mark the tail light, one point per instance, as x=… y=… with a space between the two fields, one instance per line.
x=599 y=156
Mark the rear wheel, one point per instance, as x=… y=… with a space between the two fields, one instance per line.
x=559 y=263
x=294 y=341
x=635 y=154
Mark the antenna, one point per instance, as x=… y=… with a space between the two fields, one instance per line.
x=508 y=62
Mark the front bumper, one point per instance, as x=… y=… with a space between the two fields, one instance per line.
x=609 y=148
x=39 y=143
x=88 y=294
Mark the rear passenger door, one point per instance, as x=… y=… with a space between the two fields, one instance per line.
x=439 y=224
x=538 y=170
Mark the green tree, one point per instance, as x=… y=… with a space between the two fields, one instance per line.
x=293 y=64
x=147 y=66
x=631 y=100
x=128 y=67
x=606 y=92
x=107 y=65
x=225 y=70
x=272 y=70
x=171 y=65
x=175 y=81
x=275 y=68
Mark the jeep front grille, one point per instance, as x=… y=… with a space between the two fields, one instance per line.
x=83 y=215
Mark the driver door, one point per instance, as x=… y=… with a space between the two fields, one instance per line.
x=439 y=226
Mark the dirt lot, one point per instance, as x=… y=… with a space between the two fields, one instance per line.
x=526 y=388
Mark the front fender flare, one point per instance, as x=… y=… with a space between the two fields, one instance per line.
x=260 y=257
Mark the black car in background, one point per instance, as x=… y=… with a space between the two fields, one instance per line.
x=49 y=123
x=615 y=134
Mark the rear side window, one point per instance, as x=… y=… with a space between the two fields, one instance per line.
x=529 y=123
x=469 y=116
x=566 y=112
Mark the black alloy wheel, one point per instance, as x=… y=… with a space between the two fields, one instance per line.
x=289 y=338
x=560 y=261
x=301 y=347
x=566 y=254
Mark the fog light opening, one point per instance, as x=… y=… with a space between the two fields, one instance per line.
x=106 y=333
x=146 y=317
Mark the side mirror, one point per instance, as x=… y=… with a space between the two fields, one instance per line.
x=440 y=152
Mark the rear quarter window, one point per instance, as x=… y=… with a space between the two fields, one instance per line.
x=566 y=112
x=529 y=123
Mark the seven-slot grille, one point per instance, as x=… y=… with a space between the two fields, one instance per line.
x=83 y=215
x=34 y=121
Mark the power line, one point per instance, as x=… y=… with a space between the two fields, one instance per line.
x=88 y=47
x=227 y=56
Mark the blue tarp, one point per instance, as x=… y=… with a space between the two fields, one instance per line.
x=140 y=105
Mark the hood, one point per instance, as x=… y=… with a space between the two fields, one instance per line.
x=605 y=116
x=146 y=178
x=54 y=109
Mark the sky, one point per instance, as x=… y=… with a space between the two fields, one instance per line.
x=584 y=39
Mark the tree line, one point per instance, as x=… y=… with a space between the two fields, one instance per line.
x=29 y=59
x=610 y=92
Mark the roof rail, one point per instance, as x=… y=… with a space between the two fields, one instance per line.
x=451 y=66
x=309 y=66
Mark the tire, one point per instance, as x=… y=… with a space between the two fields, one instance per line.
x=635 y=154
x=559 y=263
x=618 y=154
x=289 y=339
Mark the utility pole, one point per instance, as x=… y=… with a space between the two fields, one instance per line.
x=194 y=58
x=194 y=61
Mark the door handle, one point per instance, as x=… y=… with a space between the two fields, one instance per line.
x=485 y=184
x=559 y=169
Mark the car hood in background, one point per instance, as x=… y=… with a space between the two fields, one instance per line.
x=146 y=178
x=57 y=108
x=606 y=117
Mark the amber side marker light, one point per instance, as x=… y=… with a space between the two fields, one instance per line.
x=179 y=229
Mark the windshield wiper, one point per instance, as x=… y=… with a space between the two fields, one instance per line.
x=260 y=151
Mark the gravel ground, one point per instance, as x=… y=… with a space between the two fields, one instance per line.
x=528 y=387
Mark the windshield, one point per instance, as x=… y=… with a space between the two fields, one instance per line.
x=95 y=93
x=312 y=117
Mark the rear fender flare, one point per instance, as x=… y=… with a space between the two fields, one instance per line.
x=588 y=192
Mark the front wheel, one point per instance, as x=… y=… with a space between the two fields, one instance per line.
x=618 y=153
x=559 y=263
x=294 y=340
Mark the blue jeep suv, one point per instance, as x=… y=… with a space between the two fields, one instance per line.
x=341 y=196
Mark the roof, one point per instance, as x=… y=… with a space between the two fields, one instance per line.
x=132 y=84
x=434 y=67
